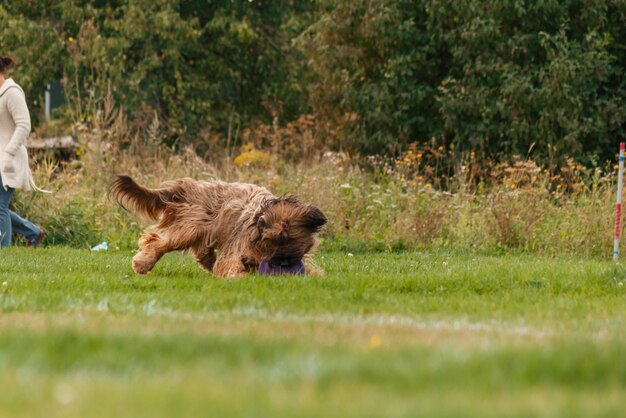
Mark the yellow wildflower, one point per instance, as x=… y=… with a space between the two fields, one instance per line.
x=252 y=157
x=375 y=341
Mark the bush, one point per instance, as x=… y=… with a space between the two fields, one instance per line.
x=499 y=77
x=495 y=77
x=201 y=68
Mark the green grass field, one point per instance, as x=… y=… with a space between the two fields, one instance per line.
x=381 y=335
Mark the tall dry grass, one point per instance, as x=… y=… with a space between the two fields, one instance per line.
x=427 y=198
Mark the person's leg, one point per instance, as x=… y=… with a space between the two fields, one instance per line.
x=5 y=218
x=25 y=227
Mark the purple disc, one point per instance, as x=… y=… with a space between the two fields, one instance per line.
x=272 y=268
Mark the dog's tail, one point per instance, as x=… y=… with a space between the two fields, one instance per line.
x=136 y=198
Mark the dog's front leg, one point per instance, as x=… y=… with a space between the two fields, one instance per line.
x=229 y=267
x=311 y=268
x=205 y=256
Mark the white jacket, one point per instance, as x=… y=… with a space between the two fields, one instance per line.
x=14 y=130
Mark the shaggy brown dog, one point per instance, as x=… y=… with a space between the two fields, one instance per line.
x=229 y=227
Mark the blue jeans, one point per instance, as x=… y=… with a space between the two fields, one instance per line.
x=11 y=222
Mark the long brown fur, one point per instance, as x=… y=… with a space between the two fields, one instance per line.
x=228 y=227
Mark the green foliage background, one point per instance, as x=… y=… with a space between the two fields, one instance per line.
x=502 y=77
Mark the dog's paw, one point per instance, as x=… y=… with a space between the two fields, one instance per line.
x=141 y=266
x=311 y=269
x=230 y=275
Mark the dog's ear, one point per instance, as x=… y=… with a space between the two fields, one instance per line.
x=313 y=219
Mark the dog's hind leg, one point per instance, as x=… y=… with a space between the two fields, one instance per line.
x=152 y=247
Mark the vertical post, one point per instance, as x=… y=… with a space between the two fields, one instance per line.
x=46 y=96
x=618 y=205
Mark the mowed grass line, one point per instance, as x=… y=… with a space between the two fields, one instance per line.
x=379 y=335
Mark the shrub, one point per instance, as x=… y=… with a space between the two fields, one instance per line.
x=498 y=77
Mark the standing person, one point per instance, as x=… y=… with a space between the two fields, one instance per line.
x=14 y=170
